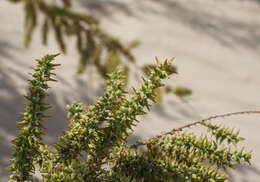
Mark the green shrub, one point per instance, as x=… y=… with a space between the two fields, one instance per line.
x=101 y=131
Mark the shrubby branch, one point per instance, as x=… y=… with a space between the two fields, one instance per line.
x=101 y=131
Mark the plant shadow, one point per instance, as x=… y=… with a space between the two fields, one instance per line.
x=244 y=172
x=226 y=30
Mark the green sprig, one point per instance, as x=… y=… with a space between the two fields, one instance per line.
x=27 y=144
x=93 y=148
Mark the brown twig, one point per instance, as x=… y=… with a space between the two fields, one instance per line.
x=171 y=132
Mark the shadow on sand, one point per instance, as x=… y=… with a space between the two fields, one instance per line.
x=228 y=31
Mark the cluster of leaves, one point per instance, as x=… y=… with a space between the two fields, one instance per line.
x=178 y=90
x=94 y=146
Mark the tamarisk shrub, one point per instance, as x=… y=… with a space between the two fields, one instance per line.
x=101 y=131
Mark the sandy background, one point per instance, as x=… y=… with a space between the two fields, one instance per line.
x=216 y=44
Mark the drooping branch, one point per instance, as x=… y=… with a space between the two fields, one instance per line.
x=92 y=41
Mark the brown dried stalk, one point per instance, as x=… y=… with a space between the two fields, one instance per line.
x=174 y=130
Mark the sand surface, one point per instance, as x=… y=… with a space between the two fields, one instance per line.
x=216 y=44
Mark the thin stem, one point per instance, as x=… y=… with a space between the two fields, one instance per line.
x=171 y=132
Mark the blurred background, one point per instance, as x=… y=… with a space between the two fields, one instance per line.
x=216 y=45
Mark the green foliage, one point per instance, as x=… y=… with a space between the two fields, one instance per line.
x=92 y=42
x=222 y=133
x=100 y=131
x=178 y=91
x=27 y=144
x=95 y=46
x=182 y=91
